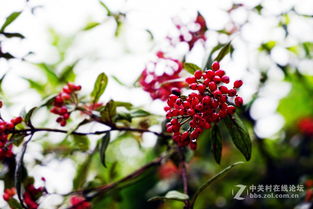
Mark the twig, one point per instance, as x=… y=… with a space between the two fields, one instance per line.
x=205 y=185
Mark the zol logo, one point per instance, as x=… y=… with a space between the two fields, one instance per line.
x=237 y=195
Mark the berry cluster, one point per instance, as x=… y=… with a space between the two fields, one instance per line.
x=60 y=101
x=210 y=102
x=305 y=126
x=78 y=202
x=159 y=84
x=31 y=195
x=191 y=33
x=9 y=193
x=5 y=129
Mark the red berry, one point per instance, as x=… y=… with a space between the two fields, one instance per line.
x=217 y=93
x=223 y=89
x=215 y=66
x=225 y=79
x=232 y=92
x=238 y=84
x=198 y=74
x=212 y=86
x=190 y=112
x=231 y=109
x=209 y=74
x=201 y=88
x=193 y=145
x=238 y=101
x=190 y=80
x=220 y=73
x=217 y=79
x=193 y=86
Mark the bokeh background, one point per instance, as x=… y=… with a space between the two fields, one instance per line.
x=273 y=49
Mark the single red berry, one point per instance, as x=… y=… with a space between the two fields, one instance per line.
x=223 y=89
x=238 y=84
x=238 y=101
x=217 y=93
x=186 y=104
x=190 y=80
x=201 y=88
x=190 y=112
x=193 y=86
x=225 y=79
x=209 y=74
x=217 y=79
x=212 y=86
x=198 y=74
x=193 y=145
x=176 y=91
x=220 y=73
x=231 y=109
x=232 y=92
x=215 y=66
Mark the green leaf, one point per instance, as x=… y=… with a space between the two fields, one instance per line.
x=27 y=118
x=82 y=173
x=109 y=13
x=191 y=68
x=210 y=60
x=139 y=113
x=91 y=25
x=119 y=81
x=9 y=20
x=239 y=135
x=103 y=147
x=99 y=87
x=216 y=143
x=211 y=180
x=49 y=72
x=19 y=174
x=127 y=105
x=224 y=51
x=108 y=112
x=47 y=101
x=18 y=138
x=40 y=88
x=13 y=203
x=123 y=116
x=171 y=195
x=81 y=142
x=67 y=73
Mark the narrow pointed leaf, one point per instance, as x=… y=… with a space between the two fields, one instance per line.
x=224 y=51
x=99 y=87
x=103 y=147
x=239 y=135
x=9 y=20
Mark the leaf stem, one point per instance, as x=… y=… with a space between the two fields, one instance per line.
x=205 y=185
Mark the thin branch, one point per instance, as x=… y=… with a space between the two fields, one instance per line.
x=108 y=187
x=34 y=130
x=205 y=185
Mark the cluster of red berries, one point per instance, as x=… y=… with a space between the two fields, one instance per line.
x=60 y=101
x=9 y=193
x=159 y=84
x=305 y=126
x=210 y=102
x=191 y=35
x=78 y=202
x=5 y=129
x=31 y=195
